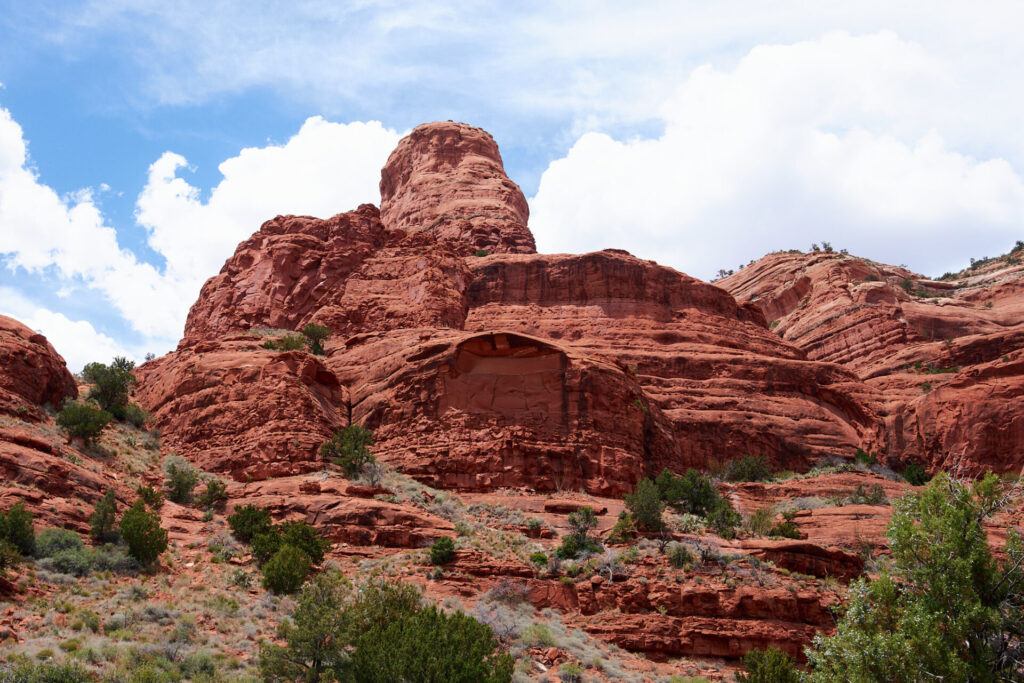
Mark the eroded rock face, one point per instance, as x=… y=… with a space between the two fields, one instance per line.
x=447 y=179
x=943 y=358
x=31 y=372
x=57 y=483
x=241 y=410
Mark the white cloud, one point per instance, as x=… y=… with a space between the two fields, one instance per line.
x=77 y=341
x=326 y=168
x=820 y=140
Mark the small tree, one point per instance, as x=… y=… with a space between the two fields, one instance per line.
x=215 y=495
x=645 y=505
x=442 y=551
x=249 y=520
x=111 y=384
x=285 y=572
x=83 y=419
x=944 y=608
x=181 y=479
x=349 y=449
x=152 y=497
x=582 y=521
x=315 y=336
x=103 y=522
x=317 y=642
x=141 y=530
x=16 y=528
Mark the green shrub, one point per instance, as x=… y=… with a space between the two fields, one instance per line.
x=581 y=522
x=82 y=419
x=25 y=671
x=862 y=457
x=379 y=633
x=141 y=530
x=539 y=559
x=624 y=529
x=248 y=521
x=103 y=521
x=82 y=561
x=9 y=556
x=724 y=519
x=318 y=636
x=537 y=635
x=111 y=384
x=349 y=449
x=759 y=522
x=290 y=342
x=286 y=571
x=916 y=475
x=570 y=672
x=429 y=645
x=646 y=506
x=693 y=492
x=135 y=415
x=679 y=554
x=786 y=529
x=442 y=551
x=152 y=497
x=215 y=495
x=181 y=479
x=265 y=545
x=16 y=528
x=481 y=253
x=53 y=540
x=315 y=336
x=306 y=538
x=748 y=468
x=73 y=561
x=768 y=666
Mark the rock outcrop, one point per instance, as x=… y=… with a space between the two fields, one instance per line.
x=447 y=179
x=32 y=374
x=945 y=358
x=484 y=371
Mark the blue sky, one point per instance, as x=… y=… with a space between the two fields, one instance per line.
x=140 y=141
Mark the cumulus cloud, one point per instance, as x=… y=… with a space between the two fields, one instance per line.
x=324 y=169
x=819 y=140
x=77 y=341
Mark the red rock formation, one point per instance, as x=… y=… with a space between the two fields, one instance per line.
x=944 y=357
x=511 y=369
x=31 y=372
x=236 y=408
x=447 y=179
x=652 y=613
x=57 y=483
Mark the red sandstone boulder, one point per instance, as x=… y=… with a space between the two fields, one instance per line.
x=31 y=372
